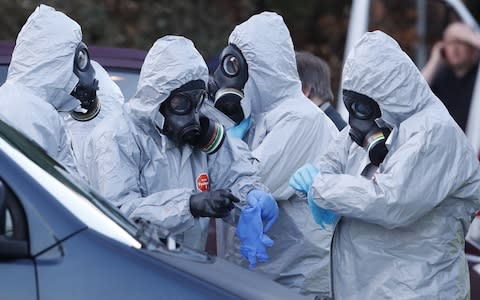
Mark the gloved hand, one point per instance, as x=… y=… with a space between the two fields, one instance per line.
x=239 y=130
x=216 y=204
x=251 y=230
x=321 y=216
x=302 y=179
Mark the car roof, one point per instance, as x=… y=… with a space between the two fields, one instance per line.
x=118 y=57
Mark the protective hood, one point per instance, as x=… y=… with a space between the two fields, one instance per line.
x=43 y=57
x=377 y=67
x=266 y=44
x=171 y=62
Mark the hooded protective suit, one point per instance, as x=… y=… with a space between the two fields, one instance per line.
x=401 y=235
x=111 y=100
x=286 y=130
x=140 y=170
x=40 y=79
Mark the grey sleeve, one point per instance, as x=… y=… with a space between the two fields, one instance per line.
x=114 y=170
x=334 y=160
x=412 y=181
x=169 y=209
x=66 y=154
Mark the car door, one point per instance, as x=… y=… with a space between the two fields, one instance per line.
x=25 y=207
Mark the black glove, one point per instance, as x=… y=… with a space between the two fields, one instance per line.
x=216 y=204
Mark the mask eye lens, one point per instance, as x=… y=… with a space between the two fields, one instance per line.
x=184 y=102
x=361 y=110
x=231 y=65
x=82 y=59
x=180 y=104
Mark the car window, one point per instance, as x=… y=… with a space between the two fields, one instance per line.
x=126 y=79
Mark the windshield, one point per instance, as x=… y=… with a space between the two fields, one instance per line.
x=70 y=181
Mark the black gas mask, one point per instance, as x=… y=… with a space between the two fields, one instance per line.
x=367 y=129
x=226 y=88
x=87 y=86
x=183 y=122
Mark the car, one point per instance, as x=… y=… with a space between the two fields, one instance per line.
x=61 y=240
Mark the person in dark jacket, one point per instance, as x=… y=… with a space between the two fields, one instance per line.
x=314 y=74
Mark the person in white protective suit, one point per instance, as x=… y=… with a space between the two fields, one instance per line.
x=40 y=81
x=258 y=86
x=162 y=161
x=105 y=101
x=403 y=222
x=99 y=96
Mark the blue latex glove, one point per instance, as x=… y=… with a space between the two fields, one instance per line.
x=302 y=181
x=321 y=216
x=239 y=130
x=251 y=230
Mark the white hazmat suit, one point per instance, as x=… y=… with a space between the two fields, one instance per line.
x=40 y=79
x=286 y=131
x=140 y=170
x=111 y=100
x=401 y=235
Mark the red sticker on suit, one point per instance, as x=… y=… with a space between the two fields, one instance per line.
x=202 y=182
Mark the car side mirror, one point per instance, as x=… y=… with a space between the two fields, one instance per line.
x=3 y=208
x=10 y=248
